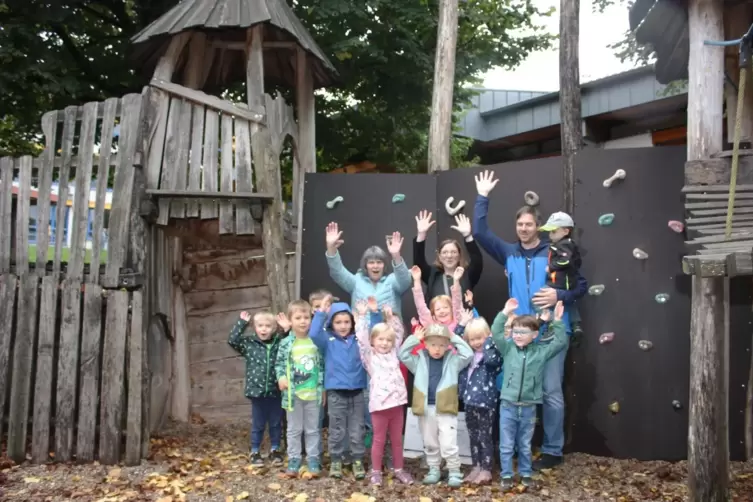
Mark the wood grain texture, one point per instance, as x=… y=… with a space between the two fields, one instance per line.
x=8 y=284
x=155 y=125
x=40 y=443
x=227 y=225
x=23 y=355
x=209 y=180
x=169 y=159
x=67 y=369
x=23 y=205
x=249 y=272
x=6 y=205
x=136 y=349
x=182 y=149
x=194 y=173
x=244 y=224
x=210 y=302
x=66 y=146
x=113 y=376
x=44 y=186
x=91 y=340
x=571 y=131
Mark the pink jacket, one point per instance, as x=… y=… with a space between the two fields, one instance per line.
x=386 y=386
x=424 y=314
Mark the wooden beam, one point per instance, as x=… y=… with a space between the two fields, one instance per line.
x=440 y=125
x=198 y=194
x=253 y=113
x=571 y=134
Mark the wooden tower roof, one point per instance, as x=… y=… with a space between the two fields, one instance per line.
x=225 y=22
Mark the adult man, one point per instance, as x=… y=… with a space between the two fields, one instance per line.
x=525 y=262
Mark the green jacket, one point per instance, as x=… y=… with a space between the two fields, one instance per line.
x=260 y=361
x=284 y=369
x=524 y=368
x=447 y=390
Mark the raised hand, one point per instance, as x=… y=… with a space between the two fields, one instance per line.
x=387 y=312
x=458 y=274
x=545 y=315
x=423 y=224
x=362 y=308
x=334 y=237
x=508 y=325
x=372 y=303
x=414 y=322
x=462 y=225
x=246 y=316
x=510 y=306
x=415 y=272
x=469 y=297
x=395 y=244
x=559 y=311
x=420 y=333
x=465 y=317
x=485 y=183
x=283 y=322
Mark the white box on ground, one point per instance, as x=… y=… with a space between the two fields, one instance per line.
x=413 y=445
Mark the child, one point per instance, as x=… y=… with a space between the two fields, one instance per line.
x=315 y=299
x=300 y=374
x=378 y=347
x=259 y=349
x=333 y=330
x=442 y=309
x=435 y=396
x=480 y=396
x=564 y=258
x=522 y=390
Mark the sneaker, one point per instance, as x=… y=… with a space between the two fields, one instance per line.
x=528 y=482
x=376 y=478
x=455 y=479
x=432 y=477
x=404 y=477
x=358 y=470
x=507 y=484
x=336 y=469
x=294 y=465
x=547 y=461
x=256 y=458
x=275 y=456
x=471 y=477
x=484 y=477
x=313 y=466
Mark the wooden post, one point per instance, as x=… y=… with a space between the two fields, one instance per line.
x=708 y=442
x=571 y=132
x=737 y=21
x=306 y=147
x=440 y=126
x=267 y=176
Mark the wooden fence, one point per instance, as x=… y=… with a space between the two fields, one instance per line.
x=72 y=343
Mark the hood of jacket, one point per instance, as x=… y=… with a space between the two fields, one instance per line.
x=338 y=308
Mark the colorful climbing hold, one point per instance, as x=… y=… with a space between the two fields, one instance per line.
x=398 y=197
x=332 y=203
x=662 y=298
x=596 y=289
x=645 y=345
x=606 y=338
x=640 y=254
x=614 y=408
x=676 y=226
x=531 y=198
x=677 y=405
x=606 y=219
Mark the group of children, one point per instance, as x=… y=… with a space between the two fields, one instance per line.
x=322 y=352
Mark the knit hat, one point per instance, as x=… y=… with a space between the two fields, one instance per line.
x=439 y=330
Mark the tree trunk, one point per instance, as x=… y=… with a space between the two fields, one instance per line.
x=571 y=132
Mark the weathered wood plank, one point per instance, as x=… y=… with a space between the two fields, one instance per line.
x=120 y=213
x=8 y=285
x=226 y=274
x=226 y=175
x=212 y=351
x=66 y=146
x=169 y=167
x=135 y=366
x=738 y=236
x=739 y=263
x=742 y=244
x=209 y=179
x=45 y=171
x=181 y=402
x=194 y=173
x=253 y=114
x=716 y=212
x=721 y=204
x=705 y=266
x=715 y=188
x=719 y=229
x=214 y=328
x=23 y=205
x=6 y=204
x=91 y=335
x=227 y=369
x=81 y=196
x=217 y=392
x=103 y=174
x=182 y=148
x=188 y=194
x=113 y=373
x=210 y=302
x=244 y=224
x=155 y=124
x=40 y=443
x=67 y=369
x=23 y=354
x=717 y=196
x=693 y=222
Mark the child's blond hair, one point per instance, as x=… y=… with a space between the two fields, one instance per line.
x=299 y=306
x=439 y=299
x=318 y=295
x=380 y=329
x=265 y=315
x=477 y=325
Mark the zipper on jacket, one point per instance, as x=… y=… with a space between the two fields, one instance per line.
x=266 y=373
x=528 y=276
x=522 y=373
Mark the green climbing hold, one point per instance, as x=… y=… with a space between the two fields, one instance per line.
x=606 y=219
x=662 y=298
x=398 y=197
x=332 y=203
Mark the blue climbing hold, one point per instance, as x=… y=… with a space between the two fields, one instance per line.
x=606 y=219
x=398 y=197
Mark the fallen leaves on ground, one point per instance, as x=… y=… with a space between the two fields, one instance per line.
x=204 y=462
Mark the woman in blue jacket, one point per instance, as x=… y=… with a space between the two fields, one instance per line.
x=525 y=262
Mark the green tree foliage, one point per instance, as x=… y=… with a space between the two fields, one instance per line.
x=63 y=52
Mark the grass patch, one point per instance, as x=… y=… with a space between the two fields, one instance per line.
x=64 y=254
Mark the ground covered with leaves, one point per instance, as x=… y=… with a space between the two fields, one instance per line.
x=201 y=462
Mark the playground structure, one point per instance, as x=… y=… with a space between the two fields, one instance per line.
x=95 y=357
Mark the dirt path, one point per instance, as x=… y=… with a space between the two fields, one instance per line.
x=208 y=463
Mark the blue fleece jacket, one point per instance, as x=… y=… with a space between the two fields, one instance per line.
x=480 y=391
x=526 y=268
x=343 y=369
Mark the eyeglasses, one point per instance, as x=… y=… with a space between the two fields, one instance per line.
x=449 y=253
x=522 y=332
